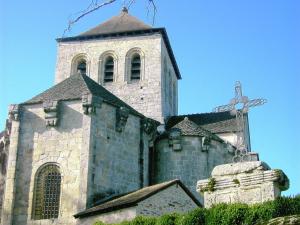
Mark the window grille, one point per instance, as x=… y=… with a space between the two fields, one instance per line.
x=81 y=67
x=47 y=193
x=109 y=69
x=136 y=67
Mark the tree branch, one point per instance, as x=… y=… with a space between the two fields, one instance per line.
x=95 y=5
x=89 y=10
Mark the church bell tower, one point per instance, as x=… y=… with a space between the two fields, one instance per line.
x=129 y=58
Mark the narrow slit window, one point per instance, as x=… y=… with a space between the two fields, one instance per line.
x=47 y=193
x=136 y=67
x=109 y=69
x=81 y=67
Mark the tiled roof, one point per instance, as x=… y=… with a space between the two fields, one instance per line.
x=133 y=198
x=74 y=87
x=120 y=23
x=189 y=128
x=215 y=122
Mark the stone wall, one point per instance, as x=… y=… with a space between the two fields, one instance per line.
x=172 y=199
x=189 y=164
x=38 y=145
x=169 y=87
x=4 y=146
x=116 y=216
x=145 y=95
x=115 y=161
x=96 y=160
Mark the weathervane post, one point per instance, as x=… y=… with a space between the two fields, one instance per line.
x=241 y=153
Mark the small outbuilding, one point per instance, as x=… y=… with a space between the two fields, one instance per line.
x=155 y=200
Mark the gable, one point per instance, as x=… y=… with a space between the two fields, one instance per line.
x=172 y=199
x=74 y=87
x=133 y=198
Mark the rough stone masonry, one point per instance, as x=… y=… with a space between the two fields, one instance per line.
x=245 y=182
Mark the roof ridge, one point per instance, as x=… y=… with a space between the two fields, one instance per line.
x=189 y=127
x=204 y=113
x=89 y=81
x=74 y=87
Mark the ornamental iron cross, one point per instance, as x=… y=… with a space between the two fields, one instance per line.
x=239 y=106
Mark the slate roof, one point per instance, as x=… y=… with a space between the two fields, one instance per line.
x=124 y=25
x=131 y=199
x=215 y=122
x=74 y=87
x=189 y=128
x=120 y=23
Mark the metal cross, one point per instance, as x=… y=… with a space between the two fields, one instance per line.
x=240 y=105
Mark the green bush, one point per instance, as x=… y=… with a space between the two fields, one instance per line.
x=124 y=223
x=140 y=220
x=168 y=219
x=259 y=213
x=99 y=223
x=226 y=214
x=285 y=206
x=195 y=217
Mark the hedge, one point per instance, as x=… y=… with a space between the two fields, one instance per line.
x=225 y=214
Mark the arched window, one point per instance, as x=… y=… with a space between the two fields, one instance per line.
x=80 y=64
x=109 y=69
x=135 y=67
x=81 y=67
x=47 y=192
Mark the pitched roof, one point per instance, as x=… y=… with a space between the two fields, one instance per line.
x=189 y=128
x=131 y=199
x=215 y=122
x=74 y=87
x=119 y=23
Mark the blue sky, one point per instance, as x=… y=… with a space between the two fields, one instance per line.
x=215 y=43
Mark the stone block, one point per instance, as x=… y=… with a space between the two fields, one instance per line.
x=245 y=182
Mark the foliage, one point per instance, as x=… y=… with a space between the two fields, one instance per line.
x=226 y=214
x=236 y=181
x=210 y=185
x=99 y=223
x=285 y=206
x=168 y=219
x=283 y=179
x=259 y=213
x=195 y=217
x=143 y=221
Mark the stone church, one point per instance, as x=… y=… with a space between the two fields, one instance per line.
x=106 y=141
